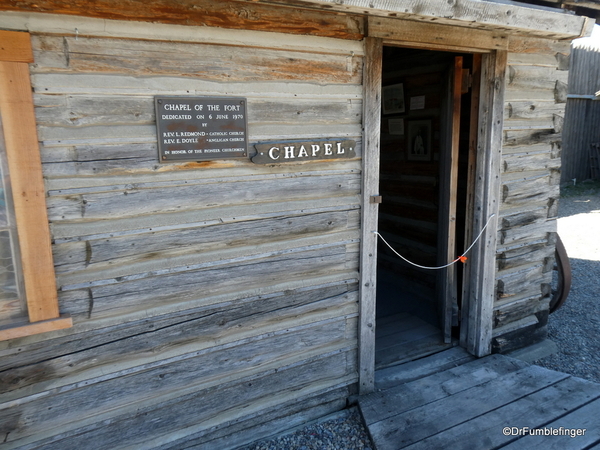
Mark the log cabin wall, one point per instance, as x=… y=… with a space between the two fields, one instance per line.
x=208 y=298
x=534 y=111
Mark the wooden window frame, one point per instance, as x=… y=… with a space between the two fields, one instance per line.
x=29 y=195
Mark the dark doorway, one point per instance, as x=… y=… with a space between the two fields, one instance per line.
x=428 y=148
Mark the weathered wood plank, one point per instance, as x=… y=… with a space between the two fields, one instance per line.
x=120 y=296
x=532 y=411
x=194 y=371
x=523 y=282
x=477 y=315
x=83 y=110
x=531 y=45
x=271 y=422
x=205 y=13
x=134 y=201
x=117 y=134
x=412 y=426
x=521 y=333
x=421 y=368
x=80 y=255
x=585 y=418
x=431 y=34
x=99 y=229
x=222 y=310
x=370 y=186
x=152 y=419
x=428 y=390
x=534 y=78
x=539 y=112
x=536 y=251
x=208 y=62
x=512 y=312
x=518 y=192
x=530 y=160
x=114 y=84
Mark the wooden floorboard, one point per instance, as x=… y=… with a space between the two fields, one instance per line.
x=405 y=337
x=420 y=368
x=486 y=431
x=449 y=400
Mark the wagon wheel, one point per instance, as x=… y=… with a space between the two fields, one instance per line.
x=563 y=267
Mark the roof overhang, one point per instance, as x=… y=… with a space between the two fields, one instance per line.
x=510 y=17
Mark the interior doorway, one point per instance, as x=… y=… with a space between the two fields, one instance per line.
x=427 y=162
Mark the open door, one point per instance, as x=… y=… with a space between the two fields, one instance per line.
x=447 y=279
x=424 y=182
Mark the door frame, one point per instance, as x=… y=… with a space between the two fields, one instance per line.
x=477 y=309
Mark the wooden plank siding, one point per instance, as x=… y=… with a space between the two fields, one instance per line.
x=530 y=173
x=208 y=298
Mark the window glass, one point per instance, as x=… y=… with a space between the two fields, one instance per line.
x=12 y=301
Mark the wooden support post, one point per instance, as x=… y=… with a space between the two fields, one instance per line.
x=486 y=204
x=370 y=187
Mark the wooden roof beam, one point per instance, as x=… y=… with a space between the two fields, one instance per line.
x=513 y=17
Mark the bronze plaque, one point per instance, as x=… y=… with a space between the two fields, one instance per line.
x=201 y=128
x=299 y=151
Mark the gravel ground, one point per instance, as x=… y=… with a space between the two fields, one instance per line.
x=345 y=432
x=575 y=327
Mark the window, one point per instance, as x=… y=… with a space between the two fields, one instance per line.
x=28 y=296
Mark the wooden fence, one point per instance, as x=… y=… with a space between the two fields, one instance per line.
x=581 y=127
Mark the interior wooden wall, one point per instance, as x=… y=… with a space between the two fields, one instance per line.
x=534 y=111
x=208 y=298
x=408 y=216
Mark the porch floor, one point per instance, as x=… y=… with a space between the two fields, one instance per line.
x=452 y=400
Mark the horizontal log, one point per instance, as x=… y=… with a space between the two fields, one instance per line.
x=534 y=78
x=527 y=215
x=99 y=229
x=124 y=294
x=128 y=249
x=133 y=201
x=114 y=84
x=520 y=192
x=83 y=110
x=192 y=372
x=208 y=62
x=526 y=255
x=550 y=59
x=208 y=331
x=530 y=160
x=135 y=134
x=524 y=282
x=86 y=337
x=181 y=410
x=272 y=421
x=530 y=45
x=205 y=13
x=532 y=110
x=530 y=137
x=533 y=231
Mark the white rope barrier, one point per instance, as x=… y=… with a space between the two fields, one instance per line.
x=462 y=257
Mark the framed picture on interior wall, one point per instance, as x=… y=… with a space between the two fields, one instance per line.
x=418 y=140
x=393 y=99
